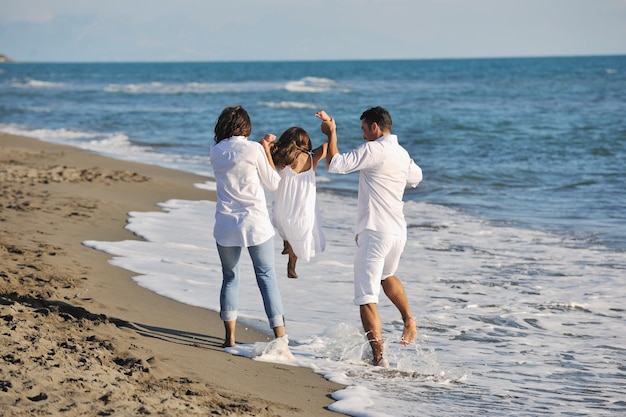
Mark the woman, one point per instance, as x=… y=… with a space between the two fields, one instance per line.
x=242 y=168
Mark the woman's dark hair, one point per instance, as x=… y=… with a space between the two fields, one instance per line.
x=234 y=121
x=291 y=143
x=377 y=115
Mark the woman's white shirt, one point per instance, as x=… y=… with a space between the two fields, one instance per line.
x=241 y=171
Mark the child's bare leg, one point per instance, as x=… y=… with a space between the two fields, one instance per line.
x=291 y=264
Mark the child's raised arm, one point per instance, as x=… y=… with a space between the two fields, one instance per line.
x=319 y=153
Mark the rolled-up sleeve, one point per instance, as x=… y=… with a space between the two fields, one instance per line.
x=355 y=160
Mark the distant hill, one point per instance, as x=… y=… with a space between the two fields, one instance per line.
x=4 y=58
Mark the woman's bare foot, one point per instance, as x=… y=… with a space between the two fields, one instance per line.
x=229 y=335
x=409 y=333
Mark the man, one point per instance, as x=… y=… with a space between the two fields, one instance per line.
x=385 y=169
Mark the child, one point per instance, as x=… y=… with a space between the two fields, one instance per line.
x=296 y=216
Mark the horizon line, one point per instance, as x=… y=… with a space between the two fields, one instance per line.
x=13 y=61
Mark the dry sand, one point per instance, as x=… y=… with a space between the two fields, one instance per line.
x=79 y=337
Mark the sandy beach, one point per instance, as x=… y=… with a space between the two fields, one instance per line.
x=79 y=337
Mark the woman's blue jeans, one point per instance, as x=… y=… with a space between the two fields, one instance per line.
x=263 y=261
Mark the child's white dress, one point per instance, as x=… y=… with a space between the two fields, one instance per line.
x=296 y=215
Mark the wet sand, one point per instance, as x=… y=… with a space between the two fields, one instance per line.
x=79 y=337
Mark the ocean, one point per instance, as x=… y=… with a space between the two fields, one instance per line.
x=516 y=256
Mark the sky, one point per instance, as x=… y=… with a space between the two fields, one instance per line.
x=288 y=30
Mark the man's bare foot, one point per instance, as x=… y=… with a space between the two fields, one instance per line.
x=383 y=363
x=409 y=333
x=228 y=343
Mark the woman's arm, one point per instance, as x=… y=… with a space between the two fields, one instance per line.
x=266 y=171
x=268 y=142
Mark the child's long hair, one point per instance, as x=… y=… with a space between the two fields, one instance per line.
x=291 y=143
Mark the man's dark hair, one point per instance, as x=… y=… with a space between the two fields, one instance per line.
x=377 y=115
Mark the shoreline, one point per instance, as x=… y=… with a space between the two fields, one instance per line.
x=80 y=336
